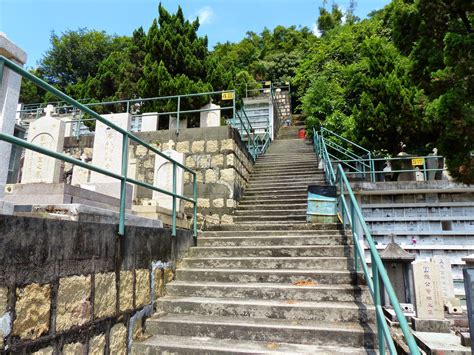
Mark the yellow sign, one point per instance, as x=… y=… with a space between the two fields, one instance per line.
x=227 y=96
x=268 y=83
x=417 y=161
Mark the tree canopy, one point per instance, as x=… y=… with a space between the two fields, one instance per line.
x=405 y=73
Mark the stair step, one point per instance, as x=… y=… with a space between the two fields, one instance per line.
x=262 y=212
x=302 y=198
x=269 y=233
x=320 y=277
x=272 y=291
x=170 y=344
x=272 y=240
x=277 y=183
x=274 y=227
x=263 y=263
x=271 y=218
x=271 y=207
x=273 y=309
x=272 y=251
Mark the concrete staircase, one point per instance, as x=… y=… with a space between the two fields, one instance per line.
x=271 y=283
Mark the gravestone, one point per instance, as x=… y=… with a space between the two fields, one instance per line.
x=80 y=175
x=427 y=285
x=149 y=122
x=468 y=274
x=107 y=154
x=46 y=132
x=183 y=123
x=447 y=286
x=164 y=179
x=9 y=94
x=210 y=118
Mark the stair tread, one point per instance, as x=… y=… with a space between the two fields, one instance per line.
x=259 y=322
x=262 y=285
x=272 y=271
x=270 y=247
x=203 y=345
x=265 y=302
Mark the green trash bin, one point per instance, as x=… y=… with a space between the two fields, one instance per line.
x=322 y=204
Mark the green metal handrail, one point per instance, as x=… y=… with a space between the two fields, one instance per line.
x=126 y=136
x=348 y=152
x=352 y=216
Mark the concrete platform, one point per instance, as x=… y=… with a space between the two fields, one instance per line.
x=441 y=343
x=57 y=194
x=84 y=213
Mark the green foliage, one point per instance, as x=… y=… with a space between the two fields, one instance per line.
x=329 y=20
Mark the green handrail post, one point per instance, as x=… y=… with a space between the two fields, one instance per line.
x=173 y=233
x=177 y=115
x=195 y=205
x=354 y=234
x=424 y=169
x=123 y=184
x=378 y=305
x=372 y=167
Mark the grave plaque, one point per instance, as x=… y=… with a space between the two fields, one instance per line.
x=210 y=118
x=428 y=296
x=46 y=132
x=164 y=179
x=446 y=276
x=468 y=274
x=107 y=154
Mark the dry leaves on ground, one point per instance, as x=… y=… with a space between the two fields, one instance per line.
x=272 y=346
x=304 y=283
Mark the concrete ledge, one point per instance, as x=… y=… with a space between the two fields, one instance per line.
x=430 y=325
x=10 y=50
x=84 y=213
x=42 y=194
x=403 y=187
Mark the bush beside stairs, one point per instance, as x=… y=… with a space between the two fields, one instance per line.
x=270 y=283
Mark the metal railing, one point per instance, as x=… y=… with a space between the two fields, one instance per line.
x=341 y=154
x=126 y=137
x=236 y=116
x=351 y=216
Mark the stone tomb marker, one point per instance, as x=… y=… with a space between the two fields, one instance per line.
x=447 y=287
x=468 y=274
x=428 y=294
x=164 y=179
x=107 y=154
x=47 y=132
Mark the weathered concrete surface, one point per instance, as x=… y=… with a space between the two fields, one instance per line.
x=62 y=283
x=441 y=343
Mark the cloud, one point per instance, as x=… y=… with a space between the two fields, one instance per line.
x=316 y=31
x=206 y=15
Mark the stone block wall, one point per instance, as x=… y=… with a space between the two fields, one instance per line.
x=216 y=154
x=79 y=288
x=219 y=158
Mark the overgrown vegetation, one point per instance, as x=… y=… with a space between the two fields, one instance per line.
x=403 y=74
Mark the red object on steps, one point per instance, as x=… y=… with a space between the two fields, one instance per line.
x=302 y=133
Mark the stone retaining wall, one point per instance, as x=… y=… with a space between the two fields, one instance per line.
x=68 y=287
x=216 y=154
